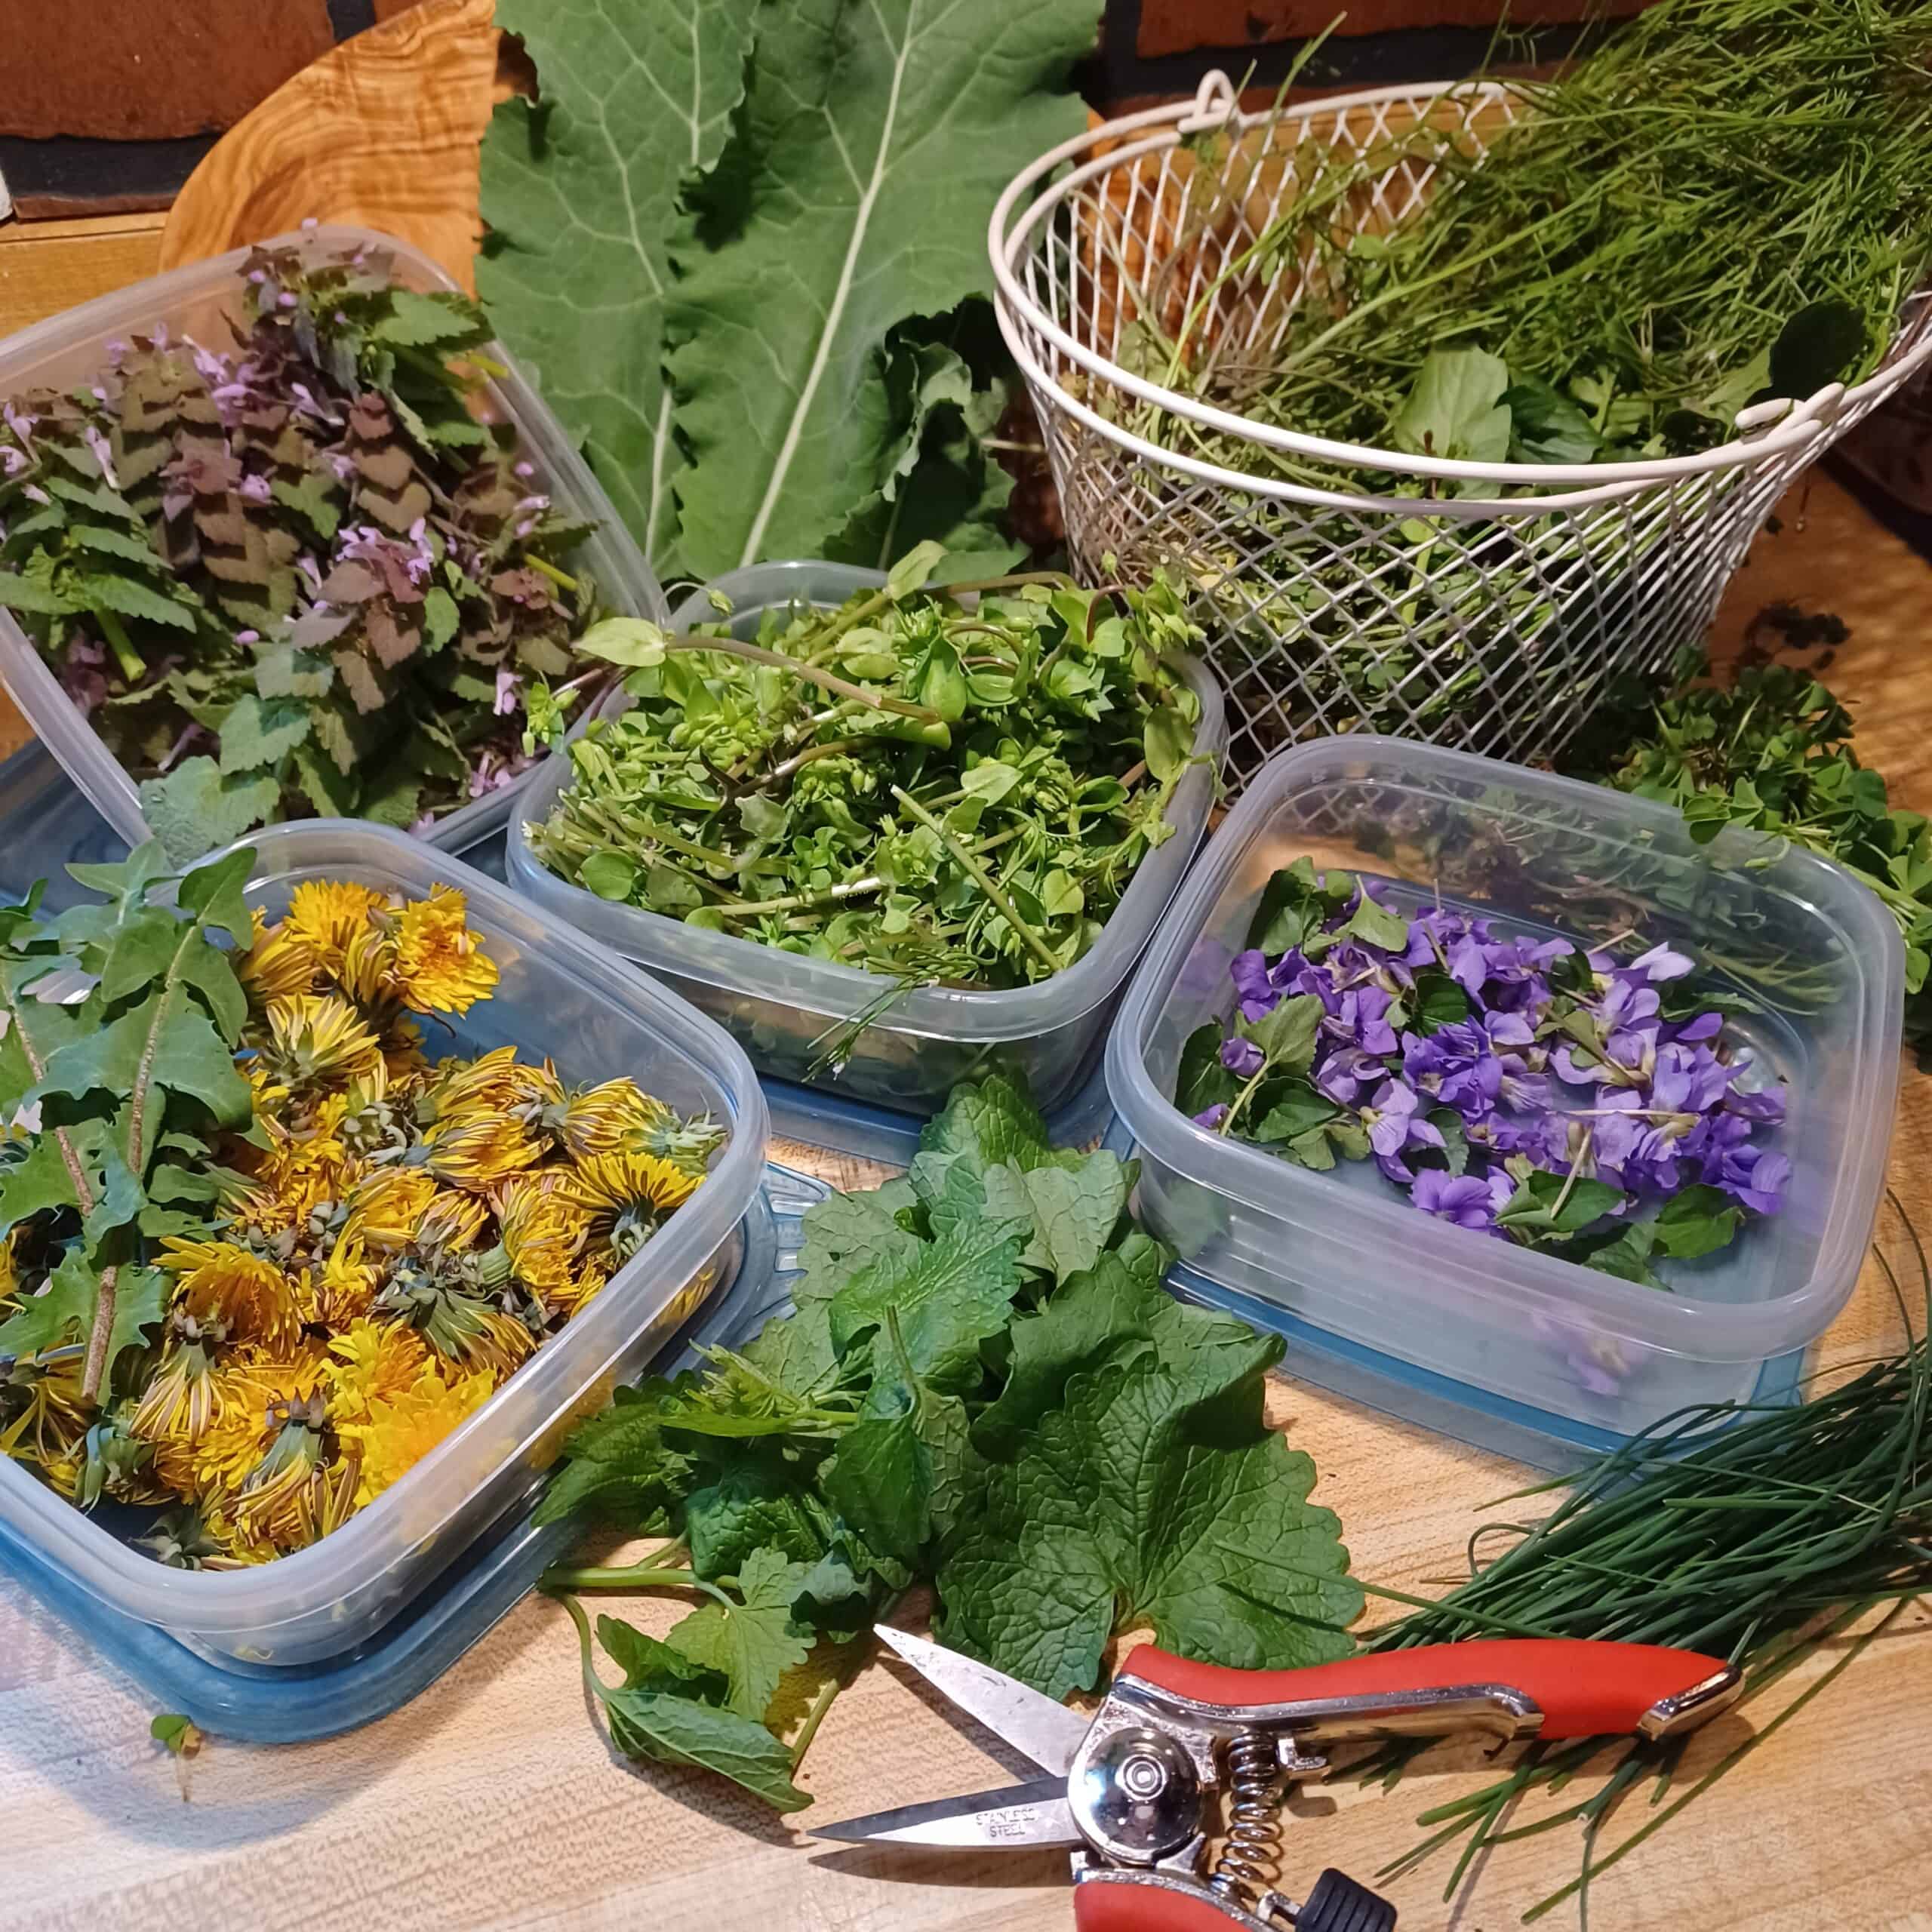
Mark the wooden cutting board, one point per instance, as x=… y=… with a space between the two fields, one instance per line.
x=382 y=131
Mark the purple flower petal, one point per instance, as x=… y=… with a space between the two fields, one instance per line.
x=1242 y=1058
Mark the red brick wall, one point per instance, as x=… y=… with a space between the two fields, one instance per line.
x=148 y=70
x=1184 y=27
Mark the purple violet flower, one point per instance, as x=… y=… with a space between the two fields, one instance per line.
x=1756 y=1179
x=1255 y=987
x=1242 y=1058
x=1660 y=964
x=508 y=683
x=1593 y=1358
x=1466 y=1200
x=1212 y=1117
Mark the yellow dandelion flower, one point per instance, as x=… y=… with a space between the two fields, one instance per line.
x=182 y=1398
x=301 y=1490
x=47 y=1417
x=372 y=1362
x=299 y=1171
x=612 y=1118
x=366 y=970
x=452 y=1220
x=479 y=1151
x=543 y=1231
x=252 y=1390
x=497 y=1082
x=401 y=1429
x=385 y=1207
x=403 y=1055
x=569 y=1301
x=441 y=966
x=278 y=964
x=318 y=1039
x=627 y=1196
x=461 y=1329
x=325 y=915
x=245 y=1296
x=344 y=1287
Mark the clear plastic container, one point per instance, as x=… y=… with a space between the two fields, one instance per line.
x=199 y=300
x=271 y=1704
x=558 y=994
x=1344 y=1253
x=780 y=1006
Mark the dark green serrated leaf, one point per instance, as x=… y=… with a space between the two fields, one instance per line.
x=195 y=808
x=261 y=732
x=755 y=1642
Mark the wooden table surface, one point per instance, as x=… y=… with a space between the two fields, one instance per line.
x=490 y=1802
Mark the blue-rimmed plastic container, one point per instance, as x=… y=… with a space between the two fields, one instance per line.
x=292 y=1704
x=923 y=1041
x=558 y=995
x=1383 y=1294
x=200 y=301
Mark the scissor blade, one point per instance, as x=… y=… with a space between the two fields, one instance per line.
x=1029 y=1721
x=1021 y=1815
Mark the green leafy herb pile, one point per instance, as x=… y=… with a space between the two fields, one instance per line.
x=1773 y=753
x=1723 y=204
x=983 y=1388
x=301 y=577
x=132 y=1084
x=899 y=783
x=744 y=246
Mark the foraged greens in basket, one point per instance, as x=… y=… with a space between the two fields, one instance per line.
x=978 y=1350
x=902 y=784
x=1724 y=204
x=259 y=1254
x=1582 y=1103
x=300 y=575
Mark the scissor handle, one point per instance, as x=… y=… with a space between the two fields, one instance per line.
x=1584 y=1687
x=1123 y=1902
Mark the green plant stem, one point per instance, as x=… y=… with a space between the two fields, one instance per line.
x=1727 y=1763
x=133 y=667
x=815 y=674
x=649 y=1576
x=1035 y=944
x=559 y=578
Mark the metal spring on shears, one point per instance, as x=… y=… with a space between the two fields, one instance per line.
x=1246 y=1863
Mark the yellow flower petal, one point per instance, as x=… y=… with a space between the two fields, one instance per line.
x=479 y=1151
x=319 y=1039
x=221 y=1282
x=325 y=915
x=440 y=965
x=384 y=1209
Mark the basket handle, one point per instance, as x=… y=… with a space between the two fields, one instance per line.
x=1215 y=101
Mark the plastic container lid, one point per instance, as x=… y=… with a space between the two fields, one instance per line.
x=924 y=1040
x=1346 y=1253
x=558 y=994
x=68 y=349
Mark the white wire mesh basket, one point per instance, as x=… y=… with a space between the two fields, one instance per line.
x=1490 y=619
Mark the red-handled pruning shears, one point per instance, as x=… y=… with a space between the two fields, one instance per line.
x=1132 y=1789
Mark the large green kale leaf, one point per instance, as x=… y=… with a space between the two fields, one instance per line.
x=874 y=137
x=580 y=195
